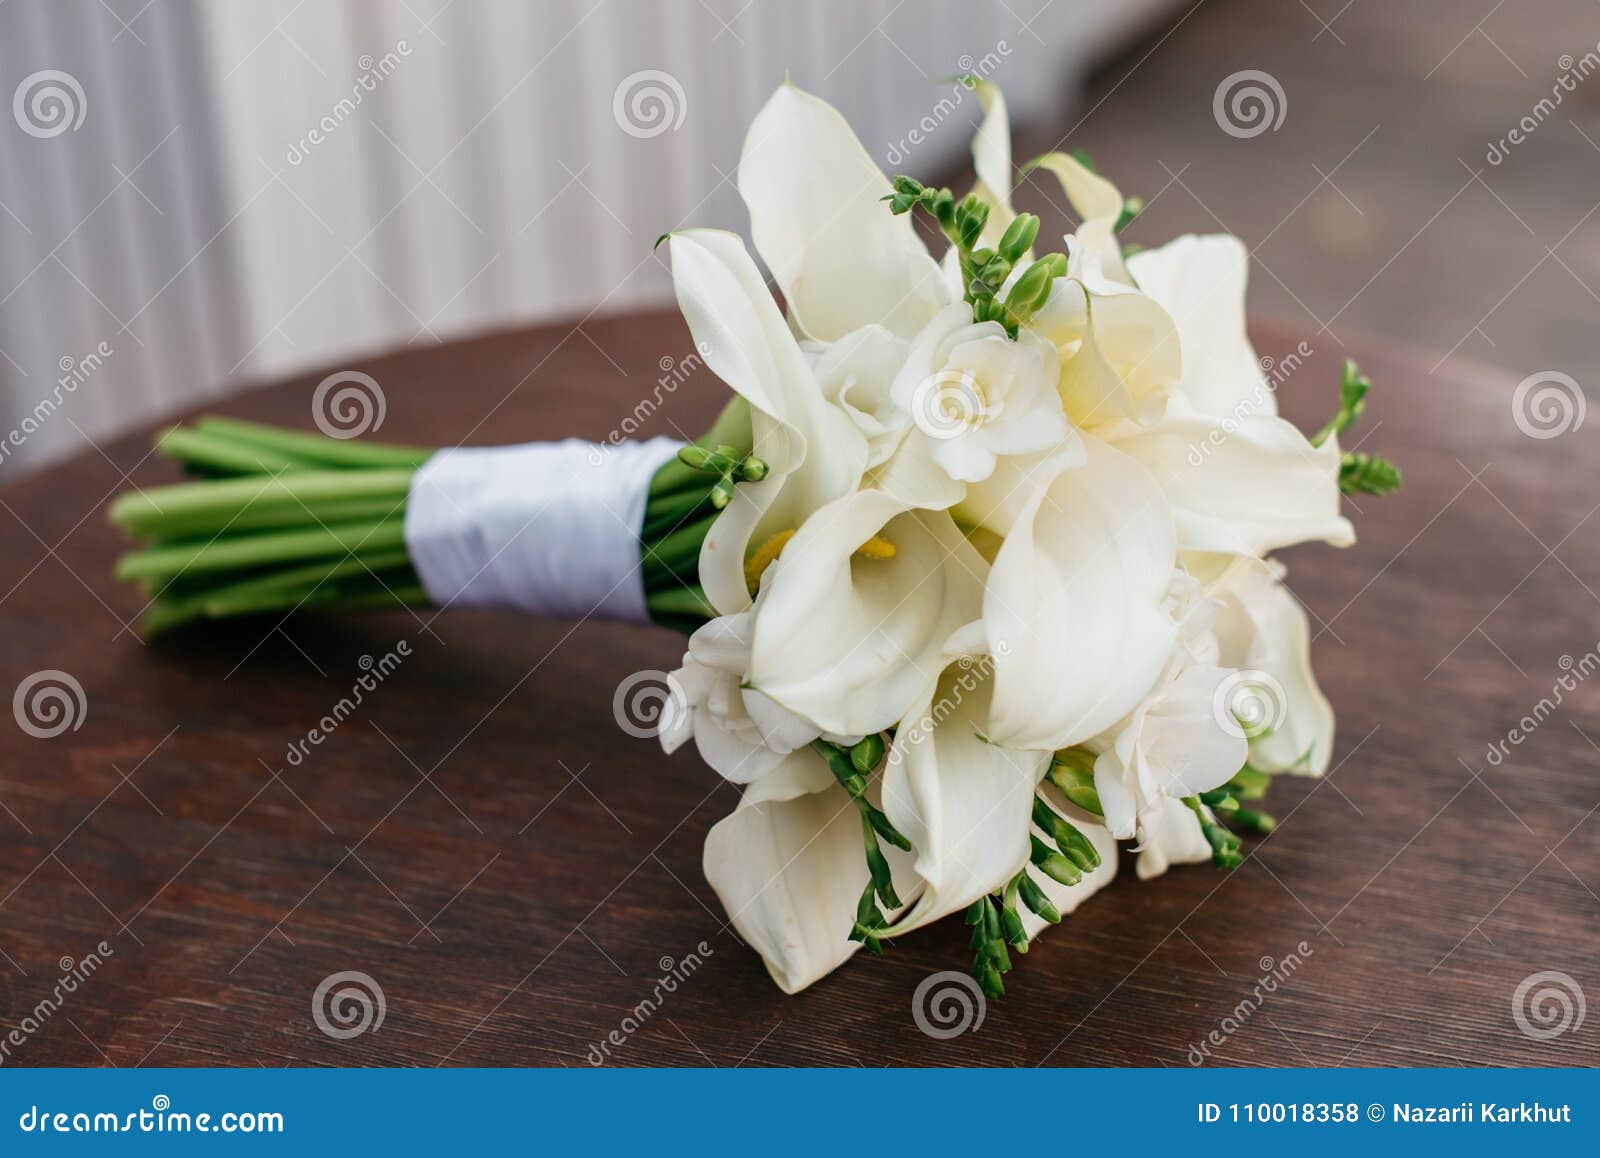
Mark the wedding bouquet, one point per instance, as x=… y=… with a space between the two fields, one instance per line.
x=975 y=567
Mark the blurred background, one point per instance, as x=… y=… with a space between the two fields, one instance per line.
x=195 y=197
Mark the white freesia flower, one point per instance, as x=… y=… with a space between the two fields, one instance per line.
x=974 y=394
x=1178 y=839
x=738 y=731
x=817 y=215
x=856 y=373
x=813 y=451
x=788 y=868
x=1261 y=627
x=857 y=608
x=1178 y=741
x=1173 y=744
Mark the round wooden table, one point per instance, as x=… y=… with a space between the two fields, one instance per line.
x=515 y=873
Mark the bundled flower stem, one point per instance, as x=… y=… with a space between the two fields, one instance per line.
x=284 y=519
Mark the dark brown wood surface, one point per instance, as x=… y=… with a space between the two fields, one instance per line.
x=514 y=871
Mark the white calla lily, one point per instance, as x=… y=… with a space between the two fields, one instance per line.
x=813 y=451
x=962 y=801
x=1200 y=282
x=787 y=865
x=1261 y=627
x=857 y=608
x=1245 y=487
x=817 y=215
x=1076 y=607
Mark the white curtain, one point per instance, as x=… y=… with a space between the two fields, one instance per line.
x=198 y=195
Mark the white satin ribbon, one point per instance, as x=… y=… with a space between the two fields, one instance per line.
x=548 y=527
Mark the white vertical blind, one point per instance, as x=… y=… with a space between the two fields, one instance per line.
x=256 y=188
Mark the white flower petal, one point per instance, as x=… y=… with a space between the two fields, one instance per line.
x=1200 y=282
x=1178 y=840
x=1075 y=606
x=1121 y=354
x=991 y=160
x=788 y=868
x=963 y=802
x=856 y=374
x=849 y=641
x=1262 y=627
x=1092 y=196
x=814 y=452
x=818 y=218
x=1245 y=487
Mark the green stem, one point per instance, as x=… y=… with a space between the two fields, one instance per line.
x=144 y=513
x=685 y=601
x=165 y=562
x=196 y=448
x=316 y=448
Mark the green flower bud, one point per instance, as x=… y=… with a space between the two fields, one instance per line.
x=866 y=755
x=1034 y=897
x=752 y=469
x=1053 y=864
x=1019 y=236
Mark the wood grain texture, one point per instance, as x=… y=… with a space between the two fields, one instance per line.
x=512 y=869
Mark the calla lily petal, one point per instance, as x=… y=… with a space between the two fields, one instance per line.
x=963 y=802
x=742 y=336
x=788 y=868
x=1121 y=354
x=817 y=214
x=1245 y=487
x=848 y=640
x=1076 y=604
x=1200 y=282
